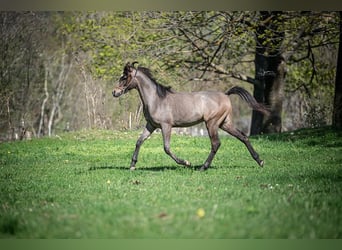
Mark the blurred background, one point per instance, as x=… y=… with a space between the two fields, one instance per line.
x=58 y=69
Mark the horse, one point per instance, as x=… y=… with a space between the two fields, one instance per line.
x=165 y=108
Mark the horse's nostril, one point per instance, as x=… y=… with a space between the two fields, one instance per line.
x=116 y=93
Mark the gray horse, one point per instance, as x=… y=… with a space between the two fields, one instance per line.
x=165 y=108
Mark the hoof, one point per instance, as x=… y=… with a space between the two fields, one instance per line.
x=261 y=163
x=132 y=168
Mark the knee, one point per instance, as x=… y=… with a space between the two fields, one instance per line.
x=216 y=146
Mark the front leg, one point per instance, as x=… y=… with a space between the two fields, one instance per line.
x=145 y=134
x=166 y=131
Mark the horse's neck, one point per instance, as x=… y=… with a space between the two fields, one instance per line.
x=147 y=91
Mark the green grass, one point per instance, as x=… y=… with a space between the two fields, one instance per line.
x=78 y=185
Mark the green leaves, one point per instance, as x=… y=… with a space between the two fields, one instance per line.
x=112 y=38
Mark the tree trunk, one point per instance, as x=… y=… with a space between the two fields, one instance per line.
x=274 y=94
x=259 y=88
x=337 y=113
x=269 y=73
x=42 y=109
x=52 y=117
x=58 y=92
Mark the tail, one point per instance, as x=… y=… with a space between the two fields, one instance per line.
x=246 y=96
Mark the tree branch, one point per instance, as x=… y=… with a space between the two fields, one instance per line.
x=216 y=68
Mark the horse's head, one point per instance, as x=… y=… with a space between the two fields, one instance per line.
x=127 y=80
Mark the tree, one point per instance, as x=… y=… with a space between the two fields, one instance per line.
x=221 y=42
x=269 y=72
x=20 y=69
x=102 y=43
x=33 y=73
x=57 y=64
x=337 y=113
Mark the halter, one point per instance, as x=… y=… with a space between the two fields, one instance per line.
x=134 y=77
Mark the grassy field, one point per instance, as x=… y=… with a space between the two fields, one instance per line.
x=78 y=185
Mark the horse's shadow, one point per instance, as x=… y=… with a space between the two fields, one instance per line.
x=153 y=169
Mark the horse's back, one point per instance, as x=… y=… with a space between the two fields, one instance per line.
x=202 y=98
x=215 y=100
x=216 y=105
x=201 y=105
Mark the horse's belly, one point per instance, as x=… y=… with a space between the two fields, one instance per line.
x=187 y=113
x=188 y=109
x=187 y=122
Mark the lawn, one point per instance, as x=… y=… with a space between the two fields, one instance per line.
x=78 y=185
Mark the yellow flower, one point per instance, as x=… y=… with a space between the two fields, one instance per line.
x=108 y=182
x=200 y=213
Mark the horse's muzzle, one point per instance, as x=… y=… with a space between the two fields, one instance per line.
x=117 y=92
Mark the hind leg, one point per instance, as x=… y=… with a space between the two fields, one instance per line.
x=243 y=138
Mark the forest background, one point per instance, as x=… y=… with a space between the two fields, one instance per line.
x=58 y=69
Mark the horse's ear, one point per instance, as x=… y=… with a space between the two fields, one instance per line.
x=128 y=67
x=134 y=63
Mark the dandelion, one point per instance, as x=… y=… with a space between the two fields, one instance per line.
x=108 y=182
x=200 y=213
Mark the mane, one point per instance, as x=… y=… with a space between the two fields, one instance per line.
x=162 y=91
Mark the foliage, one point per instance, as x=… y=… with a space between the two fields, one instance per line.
x=226 y=43
x=19 y=66
x=34 y=66
x=312 y=68
x=113 y=38
x=80 y=55
x=79 y=186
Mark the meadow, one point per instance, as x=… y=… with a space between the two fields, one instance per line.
x=78 y=185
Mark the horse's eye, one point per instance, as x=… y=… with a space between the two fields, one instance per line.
x=123 y=80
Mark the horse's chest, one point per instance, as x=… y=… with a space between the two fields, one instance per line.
x=157 y=116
